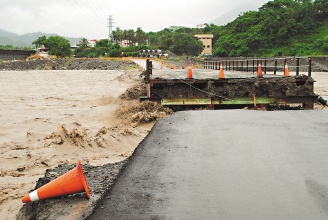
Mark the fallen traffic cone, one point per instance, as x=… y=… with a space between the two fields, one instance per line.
x=259 y=71
x=221 y=74
x=286 y=71
x=71 y=182
x=189 y=76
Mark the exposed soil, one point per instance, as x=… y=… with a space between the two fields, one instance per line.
x=267 y=87
x=136 y=113
x=243 y=87
x=134 y=92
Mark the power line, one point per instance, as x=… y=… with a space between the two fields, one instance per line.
x=77 y=6
x=84 y=13
x=72 y=4
x=101 y=9
x=93 y=9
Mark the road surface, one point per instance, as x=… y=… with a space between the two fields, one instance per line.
x=229 y=164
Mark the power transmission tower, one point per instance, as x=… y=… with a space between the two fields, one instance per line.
x=110 y=25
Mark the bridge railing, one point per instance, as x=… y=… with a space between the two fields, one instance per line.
x=275 y=65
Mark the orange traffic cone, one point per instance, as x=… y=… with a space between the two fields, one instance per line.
x=286 y=71
x=189 y=76
x=221 y=74
x=259 y=71
x=71 y=182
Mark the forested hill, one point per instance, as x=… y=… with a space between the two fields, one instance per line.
x=278 y=28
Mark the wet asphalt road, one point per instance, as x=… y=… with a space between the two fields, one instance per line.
x=229 y=164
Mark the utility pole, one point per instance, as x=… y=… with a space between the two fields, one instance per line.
x=110 y=25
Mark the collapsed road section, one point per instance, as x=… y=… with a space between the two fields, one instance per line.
x=217 y=88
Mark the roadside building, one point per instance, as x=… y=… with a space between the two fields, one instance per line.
x=207 y=42
x=92 y=43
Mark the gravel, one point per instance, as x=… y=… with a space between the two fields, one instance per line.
x=68 y=64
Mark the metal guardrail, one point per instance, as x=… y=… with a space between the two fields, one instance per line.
x=268 y=64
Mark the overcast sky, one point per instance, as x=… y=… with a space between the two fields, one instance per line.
x=88 y=18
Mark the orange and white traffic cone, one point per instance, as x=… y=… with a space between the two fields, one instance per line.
x=189 y=75
x=221 y=73
x=71 y=182
x=286 y=71
x=259 y=71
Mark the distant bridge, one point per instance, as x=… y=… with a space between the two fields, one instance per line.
x=15 y=54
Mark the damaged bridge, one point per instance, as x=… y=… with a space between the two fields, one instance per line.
x=232 y=84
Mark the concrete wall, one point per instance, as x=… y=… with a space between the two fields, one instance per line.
x=207 y=41
x=15 y=54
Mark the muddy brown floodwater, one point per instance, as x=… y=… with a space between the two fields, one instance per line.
x=59 y=117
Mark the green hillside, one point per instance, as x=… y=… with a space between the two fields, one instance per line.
x=313 y=44
x=278 y=28
x=15 y=40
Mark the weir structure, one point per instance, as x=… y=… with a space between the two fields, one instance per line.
x=241 y=84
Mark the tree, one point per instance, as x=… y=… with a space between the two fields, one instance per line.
x=84 y=43
x=166 y=41
x=186 y=44
x=288 y=27
x=58 y=46
x=83 y=47
x=102 y=43
x=140 y=36
x=321 y=8
x=40 y=41
x=153 y=39
x=117 y=35
x=130 y=37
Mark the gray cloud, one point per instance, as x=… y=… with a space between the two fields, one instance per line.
x=88 y=18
